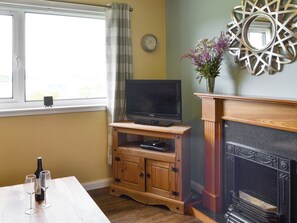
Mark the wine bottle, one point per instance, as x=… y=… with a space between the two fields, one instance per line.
x=39 y=194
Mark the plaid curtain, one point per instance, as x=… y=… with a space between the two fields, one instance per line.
x=119 y=63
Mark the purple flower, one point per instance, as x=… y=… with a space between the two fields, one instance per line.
x=222 y=44
x=207 y=56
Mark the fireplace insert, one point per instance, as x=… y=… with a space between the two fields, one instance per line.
x=258 y=185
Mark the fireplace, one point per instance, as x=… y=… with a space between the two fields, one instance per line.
x=270 y=114
x=259 y=173
x=259 y=187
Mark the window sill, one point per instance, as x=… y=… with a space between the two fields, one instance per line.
x=50 y=110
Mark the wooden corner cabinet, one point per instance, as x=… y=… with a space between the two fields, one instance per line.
x=152 y=177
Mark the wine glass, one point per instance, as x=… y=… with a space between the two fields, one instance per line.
x=30 y=187
x=45 y=180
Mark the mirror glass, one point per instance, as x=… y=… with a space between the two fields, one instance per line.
x=260 y=33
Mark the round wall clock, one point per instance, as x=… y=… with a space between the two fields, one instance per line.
x=149 y=43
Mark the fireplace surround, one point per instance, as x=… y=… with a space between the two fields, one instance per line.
x=279 y=114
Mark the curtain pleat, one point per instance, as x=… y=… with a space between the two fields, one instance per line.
x=119 y=63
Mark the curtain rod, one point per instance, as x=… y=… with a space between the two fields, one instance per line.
x=107 y=6
x=98 y=5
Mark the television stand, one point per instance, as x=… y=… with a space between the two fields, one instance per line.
x=154 y=122
x=147 y=176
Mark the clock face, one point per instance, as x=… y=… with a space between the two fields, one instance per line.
x=149 y=42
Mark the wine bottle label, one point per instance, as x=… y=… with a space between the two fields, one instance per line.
x=38 y=191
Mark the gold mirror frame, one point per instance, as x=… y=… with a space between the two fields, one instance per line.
x=282 y=47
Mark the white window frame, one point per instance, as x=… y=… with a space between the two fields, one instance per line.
x=17 y=105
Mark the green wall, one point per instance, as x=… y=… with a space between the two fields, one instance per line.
x=191 y=20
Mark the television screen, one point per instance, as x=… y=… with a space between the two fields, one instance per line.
x=154 y=101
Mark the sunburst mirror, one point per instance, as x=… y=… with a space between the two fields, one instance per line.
x=263 y=35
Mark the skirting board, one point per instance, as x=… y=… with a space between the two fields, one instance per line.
x=92 y=185
x=197 y=187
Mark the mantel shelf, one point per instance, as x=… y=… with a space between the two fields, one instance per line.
x=266 y=112
x=248 y=98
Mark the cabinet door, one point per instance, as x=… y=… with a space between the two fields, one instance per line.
x=131 y=172
x=161 y=178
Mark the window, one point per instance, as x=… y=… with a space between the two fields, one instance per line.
x=51 y=51
x=6 y=56
x=64 y=57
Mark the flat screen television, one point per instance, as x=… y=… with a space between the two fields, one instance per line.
x=154 y=102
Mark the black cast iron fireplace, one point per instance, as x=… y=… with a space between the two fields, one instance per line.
x=258 y=186
x=259 y=174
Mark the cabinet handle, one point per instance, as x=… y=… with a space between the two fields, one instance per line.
x=148 y=175
x=141 y=175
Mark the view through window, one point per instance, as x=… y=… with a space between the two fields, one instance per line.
x=65 y=57
x=6 y=56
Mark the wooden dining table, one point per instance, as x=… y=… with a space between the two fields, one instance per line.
x=70 y=203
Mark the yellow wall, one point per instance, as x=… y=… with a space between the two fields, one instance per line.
x=75 y=143
x=70 y=144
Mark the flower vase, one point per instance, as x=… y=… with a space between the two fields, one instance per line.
x=210 y=84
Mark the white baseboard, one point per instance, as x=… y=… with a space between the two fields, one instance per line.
x=197 y=187
x=92 y=185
